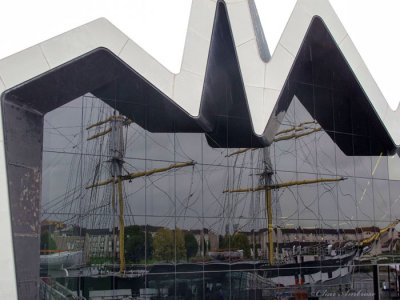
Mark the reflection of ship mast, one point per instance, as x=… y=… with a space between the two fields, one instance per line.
x=117 y=166
x=266 y=176
x=376 y=235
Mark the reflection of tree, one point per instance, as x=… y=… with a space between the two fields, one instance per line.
x=167 y=247
x=135 y=241
x=47 y=242
x=224 y=241
x=238 y=241
x=190 y=245
x=241 y=242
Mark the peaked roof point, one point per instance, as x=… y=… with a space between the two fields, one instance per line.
x=263 y=77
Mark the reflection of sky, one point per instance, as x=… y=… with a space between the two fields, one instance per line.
x=192 y=197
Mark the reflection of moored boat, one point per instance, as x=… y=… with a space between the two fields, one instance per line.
x=271 y=254
x=61 y=260
x=311 y=271
x=226 y=254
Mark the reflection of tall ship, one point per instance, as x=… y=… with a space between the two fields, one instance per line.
x=291 y=262
x=315 y=256
x=274 y=254
x=110 y=156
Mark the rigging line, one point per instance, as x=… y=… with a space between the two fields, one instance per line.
x=359 y=201
x=75 y=160
x=138 y=133
x=148 y=135
x=145 y=187
x=213 y=195
x=191 y=201
x=87 y=154
x=152 y=183
x=59 y=197
x=231 y=200
x=190 y=209
x=76 y=184
x=345 y=195
x=164 y=192
x=89 y=212
x=305 y=150
x=128 y=207
x=64 y=203
x=51 y=125
x=307 y=207
x=244 y=198
x=132 y=166
x=295 y=211
x=93 y=195
x=190 y=192
x=327 y=189
x=181 y=148
x=126 y=139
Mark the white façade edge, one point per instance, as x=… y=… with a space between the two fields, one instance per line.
x=8 y=287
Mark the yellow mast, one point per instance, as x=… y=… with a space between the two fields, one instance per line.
x=268 y=186
x=268 y=196
x=279 y=137
x=141 y=174
x=119 y=178
x=268 y=200
x=377 y=234
x=284 y=184
x=121 y=229
x=119 y=181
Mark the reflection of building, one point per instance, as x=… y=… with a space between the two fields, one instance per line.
x=50 y=225
x=206 y=239
x=99 y=243
x=95 y=243
x=310 y=110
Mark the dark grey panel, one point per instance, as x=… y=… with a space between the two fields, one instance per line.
x=28 y=267
x=261 y=41
x=325 y=84
x=23 y=134
x=224 y=105
x=24 y=190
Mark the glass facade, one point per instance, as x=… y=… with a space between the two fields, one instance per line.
x=147 y=215
x=116 y=192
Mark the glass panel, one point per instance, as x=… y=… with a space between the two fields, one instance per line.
x=198 y=221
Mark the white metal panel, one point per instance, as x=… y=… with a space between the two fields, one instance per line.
x=241 y=22
x=195 y=54
x=22 y=66
x=202 y=17
x=188 y=88
x=256 y=94
x=252 y=68
x=148 y=67
x=67 y=46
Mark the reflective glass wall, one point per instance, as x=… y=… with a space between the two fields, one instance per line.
x=132 y=214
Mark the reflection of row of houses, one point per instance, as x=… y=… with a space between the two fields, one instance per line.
x=103 y=242
x=100 y=243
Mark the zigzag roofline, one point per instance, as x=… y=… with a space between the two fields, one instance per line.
x=263 y=80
